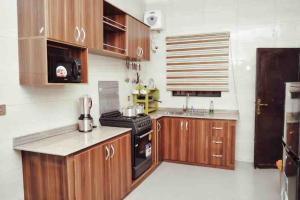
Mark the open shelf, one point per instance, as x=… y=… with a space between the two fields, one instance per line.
x=114 y=30
x=112 y=25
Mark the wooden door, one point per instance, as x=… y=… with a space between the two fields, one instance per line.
x=64 y=21
x=91 y=172
x=93 y=17
x=120 y=167
x=145 y=41
x=198 y=141
x=170 y=135
x=82 y=13
x=275 y=66
x=183 y=138
x=219 y=129
x=229 y=143
x=132 y=37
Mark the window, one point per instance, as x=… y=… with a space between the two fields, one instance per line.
x=198 y=62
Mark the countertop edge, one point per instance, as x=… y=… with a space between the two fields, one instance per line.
x=26 y=147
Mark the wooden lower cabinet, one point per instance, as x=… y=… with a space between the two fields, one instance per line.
x=199 y=141
x=102 y=172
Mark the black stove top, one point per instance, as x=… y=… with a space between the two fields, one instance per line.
x=138 y=123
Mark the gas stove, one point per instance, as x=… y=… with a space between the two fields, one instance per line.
x=138 y=123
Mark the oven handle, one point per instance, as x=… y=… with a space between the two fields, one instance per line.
x=148 y=133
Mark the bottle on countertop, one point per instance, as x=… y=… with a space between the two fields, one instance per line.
x=211 y=107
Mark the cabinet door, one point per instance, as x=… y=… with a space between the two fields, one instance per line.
x=93 y=17
x=64 y=21
x=230 y=145
x=91 y=172
x=145 y=41
x=183 y=139
x=198 y=141
x=219 y=129
x=132 y=37
x=82 y=13
x=120 y=162
x=170 y=136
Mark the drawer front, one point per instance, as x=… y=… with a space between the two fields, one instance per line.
x=217 y=154
x=219 y=130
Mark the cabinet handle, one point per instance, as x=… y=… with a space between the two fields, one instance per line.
x=217 y=142
x=158 y=126
x=77 y=34
x=84 y=35
x=217 y=156
x=291 y=132
x=217 y=128
x=113 y=151
x=181 y=125
x=186 y=125
x=139 y=52
x=107 y=153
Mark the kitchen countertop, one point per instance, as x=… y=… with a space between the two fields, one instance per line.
x=69 y=143
x=201 y=114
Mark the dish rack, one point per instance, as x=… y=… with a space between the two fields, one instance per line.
x=148 y=99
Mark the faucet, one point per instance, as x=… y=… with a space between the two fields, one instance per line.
x=187 y=102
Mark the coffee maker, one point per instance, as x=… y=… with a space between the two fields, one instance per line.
x=85 y=121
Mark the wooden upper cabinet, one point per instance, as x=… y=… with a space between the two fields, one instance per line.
x=94 y=24
x=138 y=37
x=66 y=21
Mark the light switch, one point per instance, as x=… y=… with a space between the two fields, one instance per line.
x=2 y=110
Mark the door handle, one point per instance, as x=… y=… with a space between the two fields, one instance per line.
x=77 y=34
x=84 y=35
x=113 y=151
x=259 y=104
x=158 y=126
x=107 y=153
x=186 y=125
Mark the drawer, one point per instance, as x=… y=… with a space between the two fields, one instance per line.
x=219 y=130
x=217 y=154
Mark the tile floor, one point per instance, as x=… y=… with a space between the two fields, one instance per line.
x=184 y=182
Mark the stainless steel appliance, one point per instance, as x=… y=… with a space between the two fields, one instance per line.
x=62 y=66
x=290 y=181
x=85 y=121
x=140 y=138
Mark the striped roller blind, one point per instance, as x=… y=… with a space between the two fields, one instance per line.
x=198 y=62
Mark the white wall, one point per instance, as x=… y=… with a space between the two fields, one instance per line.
x=36 y=109
x=253 y=24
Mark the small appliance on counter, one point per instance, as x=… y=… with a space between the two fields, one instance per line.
x=140 y=139
x=85 y=121
x=63 y=67
x=290 y=181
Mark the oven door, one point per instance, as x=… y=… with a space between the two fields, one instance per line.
x=290 y=177
x=142 y=153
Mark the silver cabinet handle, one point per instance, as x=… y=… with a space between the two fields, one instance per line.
x=107 y=153
x=158 y=126
x=186 y=125
x=139 y=52
x=217 y=156
x=217 y=128
x=113 y=151
x=181 y=125
x=217 y=142
x=84 y=34
x=146 y=134
x=77 y=34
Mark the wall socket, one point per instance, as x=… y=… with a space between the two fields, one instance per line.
x=2 y=110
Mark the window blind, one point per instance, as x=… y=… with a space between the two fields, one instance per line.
x=198 y=62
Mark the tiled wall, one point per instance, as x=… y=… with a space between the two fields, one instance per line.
x=31 y=109
x=253 y=24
